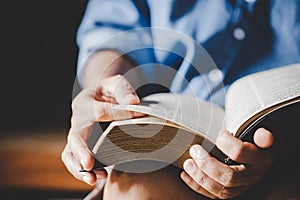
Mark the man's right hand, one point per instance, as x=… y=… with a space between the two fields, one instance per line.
x=95 y=104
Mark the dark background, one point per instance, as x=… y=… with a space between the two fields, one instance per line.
x=38 y=67
x=38 y=70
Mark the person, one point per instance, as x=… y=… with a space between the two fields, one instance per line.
x=241 y=37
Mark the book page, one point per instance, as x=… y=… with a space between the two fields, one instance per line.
x=254 y=93
x=192 y=113
x=148 y=138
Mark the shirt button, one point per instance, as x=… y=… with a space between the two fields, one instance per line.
x=239 y=34
x=215 y=75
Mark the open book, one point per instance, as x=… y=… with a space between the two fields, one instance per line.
x=174 y=122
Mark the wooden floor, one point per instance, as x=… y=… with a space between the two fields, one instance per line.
x=31 y=167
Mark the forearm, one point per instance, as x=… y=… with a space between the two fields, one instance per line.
x=104 y=64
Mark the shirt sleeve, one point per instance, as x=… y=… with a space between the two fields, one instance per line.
x=116 y=25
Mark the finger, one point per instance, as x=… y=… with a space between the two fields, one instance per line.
x=101 y=173
x=263 y=138
x=105 y=112
x=195 y=186
x=225 y=175
x=73 y=166
x=80 y=149
x=104 y=98
x=237 y=150
x=209 y=184
x=88 y=110
x=199 y=177
x=119 y=88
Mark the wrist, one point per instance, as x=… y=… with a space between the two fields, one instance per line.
x=104 y=64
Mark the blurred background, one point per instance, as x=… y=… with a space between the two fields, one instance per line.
x=38 y=68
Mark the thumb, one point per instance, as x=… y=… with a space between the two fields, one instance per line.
x=120 y=89
x=263 y=138
x=124 y=92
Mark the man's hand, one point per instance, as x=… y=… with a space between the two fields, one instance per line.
x=214 y=179
x=95 y=104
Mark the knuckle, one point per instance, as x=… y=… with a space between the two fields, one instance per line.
x=201 y=178
x=225 y=193
x=198 y=188
x=73 y=122
x=189 y=181
x=228 y=178
x=69 y=138
x=63 y=156
x=237 y=152
x=204 y=163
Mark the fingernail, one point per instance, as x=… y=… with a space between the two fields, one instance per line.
x=188 y=166
x=86 y=179
x=197 y=152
